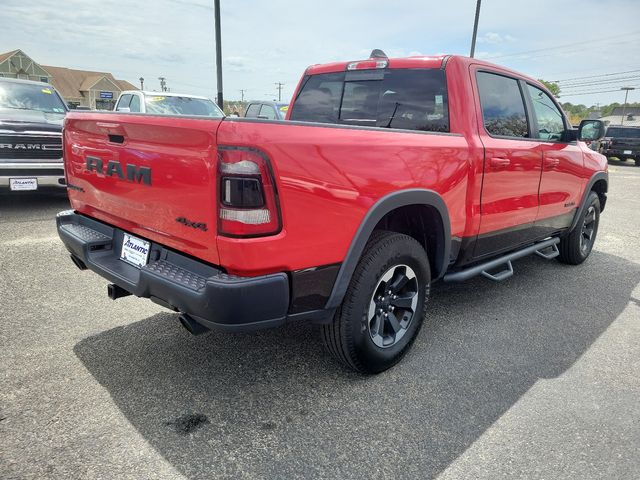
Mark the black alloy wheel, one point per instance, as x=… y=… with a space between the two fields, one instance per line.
x=392 y=306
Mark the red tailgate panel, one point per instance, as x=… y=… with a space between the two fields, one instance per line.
x=181 y=154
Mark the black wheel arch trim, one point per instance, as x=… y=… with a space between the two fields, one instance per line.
x=383 y=206
x=592 y=181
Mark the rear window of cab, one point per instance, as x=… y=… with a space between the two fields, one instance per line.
x=407 y=99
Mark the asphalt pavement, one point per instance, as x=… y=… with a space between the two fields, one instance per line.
x=535 y=377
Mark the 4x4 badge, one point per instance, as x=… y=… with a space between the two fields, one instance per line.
x=188 y=223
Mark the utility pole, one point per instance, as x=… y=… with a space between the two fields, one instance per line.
x=163 y=84
x=624 y=107
x=216 y=7
x=279 y=86
x=242 y=95
x=475 y=29
x=141 y=83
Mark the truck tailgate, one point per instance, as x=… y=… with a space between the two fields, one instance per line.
x=152 y=176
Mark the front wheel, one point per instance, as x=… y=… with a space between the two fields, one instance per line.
x=384 y=306
x=577 y=245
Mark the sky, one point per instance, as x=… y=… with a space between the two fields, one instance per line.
x=583 y=43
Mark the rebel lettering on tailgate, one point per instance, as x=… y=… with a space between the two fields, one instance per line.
x=134 y=173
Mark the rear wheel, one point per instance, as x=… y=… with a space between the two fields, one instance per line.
x=576 y=247
x=384 y=306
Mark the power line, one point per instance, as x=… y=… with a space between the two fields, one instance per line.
x=587 y=84
x=604 y=48
x=595 y=76
x=591 y=92
x=598 y=81
x=589 y=72
x=600 y=41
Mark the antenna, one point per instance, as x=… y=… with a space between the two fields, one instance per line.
x=377 y=53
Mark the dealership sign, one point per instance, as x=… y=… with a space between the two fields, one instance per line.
x=106 y=94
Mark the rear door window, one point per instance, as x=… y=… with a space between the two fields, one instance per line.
x=124 y=101
x=134 y=106
x=267 y=111
x=502 y=105
x=408 y=99
x=253 y=111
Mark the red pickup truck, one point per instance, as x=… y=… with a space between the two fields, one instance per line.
x=387 y=175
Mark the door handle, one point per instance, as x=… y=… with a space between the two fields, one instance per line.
x=551 y=162
x=499 y=162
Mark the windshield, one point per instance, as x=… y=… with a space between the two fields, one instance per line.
x=26 y=96
x=618 y=132
x=170 y=105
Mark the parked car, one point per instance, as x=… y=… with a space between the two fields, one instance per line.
x=390 y=175
x=267 y=110
x=622 y=143
x=166 y=103
x=31 y=115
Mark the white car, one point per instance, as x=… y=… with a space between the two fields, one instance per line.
x=166 y=103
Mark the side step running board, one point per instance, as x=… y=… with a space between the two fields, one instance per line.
x=547 y=249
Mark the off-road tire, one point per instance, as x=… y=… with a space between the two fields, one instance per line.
x=573 y=250
x=349 y=337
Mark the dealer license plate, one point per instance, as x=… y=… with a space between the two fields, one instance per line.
x=17 y=184
x=135 y=250
x=628 y=152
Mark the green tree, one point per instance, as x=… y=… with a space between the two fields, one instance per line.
x=553 y=87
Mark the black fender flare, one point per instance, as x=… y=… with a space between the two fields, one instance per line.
x=594 y=178
x=383 y=206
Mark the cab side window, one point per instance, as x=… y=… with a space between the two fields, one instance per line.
x=253 y=110
x=549 y=120
x=134 y=106
x=267 y=111
x=124 y=102
x=502 y=105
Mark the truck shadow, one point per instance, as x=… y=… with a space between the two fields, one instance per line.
x=274 y=405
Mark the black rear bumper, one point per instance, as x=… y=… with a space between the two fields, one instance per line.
x=212 y=297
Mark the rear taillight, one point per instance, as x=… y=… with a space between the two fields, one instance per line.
x=247 y=196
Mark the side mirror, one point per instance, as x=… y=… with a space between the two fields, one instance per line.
x=591 y=130
x=124 y=110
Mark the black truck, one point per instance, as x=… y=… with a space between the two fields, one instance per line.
x=31 y=116
x=622 y=143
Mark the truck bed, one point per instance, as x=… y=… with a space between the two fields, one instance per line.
x=333 y=171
